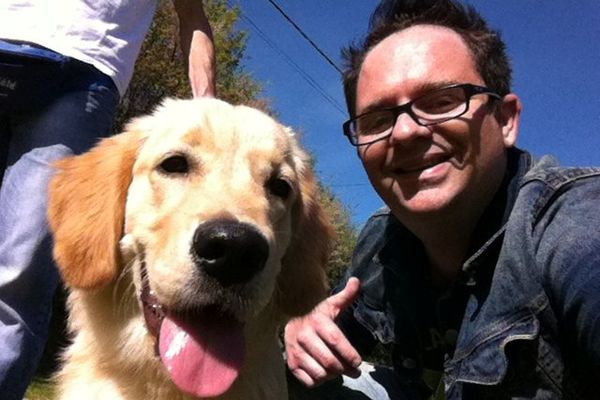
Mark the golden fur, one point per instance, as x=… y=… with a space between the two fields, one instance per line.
x=112 y=207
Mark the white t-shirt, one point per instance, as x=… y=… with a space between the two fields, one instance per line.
x=105 y=33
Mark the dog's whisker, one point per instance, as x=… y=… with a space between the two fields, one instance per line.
x=124 y=284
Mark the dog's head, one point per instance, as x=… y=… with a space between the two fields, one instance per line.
x=211 y=208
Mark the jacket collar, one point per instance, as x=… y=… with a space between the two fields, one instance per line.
x=489 y=232
x=402 y=252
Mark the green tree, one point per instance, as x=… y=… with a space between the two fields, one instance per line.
x=160 y=70
x=345 y=235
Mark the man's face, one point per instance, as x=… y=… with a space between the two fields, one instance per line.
x=438 y=170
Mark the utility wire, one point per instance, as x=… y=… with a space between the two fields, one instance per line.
x=291 y=62
x=305 y=36
x=349 y=184
x=302 y=73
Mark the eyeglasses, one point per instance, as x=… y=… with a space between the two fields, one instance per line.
x=434 y=107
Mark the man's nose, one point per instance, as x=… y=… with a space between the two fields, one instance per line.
x=406 y=128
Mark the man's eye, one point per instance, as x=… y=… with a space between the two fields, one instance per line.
x=374 y=123
x=176 y=164
x=441 y=102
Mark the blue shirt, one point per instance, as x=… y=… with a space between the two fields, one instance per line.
x=528 y=297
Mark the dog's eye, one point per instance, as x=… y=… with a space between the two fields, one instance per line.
x=279 y=187
x=175 y=164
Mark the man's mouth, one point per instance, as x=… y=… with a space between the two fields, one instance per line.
x=419 y=166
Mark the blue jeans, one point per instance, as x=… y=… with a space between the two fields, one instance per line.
x=67 y=119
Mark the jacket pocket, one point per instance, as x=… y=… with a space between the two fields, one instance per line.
x=375 y=321
x=516 y=362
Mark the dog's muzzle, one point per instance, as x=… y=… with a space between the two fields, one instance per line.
x=231 y=252
x=203 y=348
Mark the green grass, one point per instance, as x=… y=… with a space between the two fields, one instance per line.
x=40 y=390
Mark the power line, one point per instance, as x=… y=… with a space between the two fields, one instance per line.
x=302 y=73
x=314 y=84
x=305 y=36
x=349 y=184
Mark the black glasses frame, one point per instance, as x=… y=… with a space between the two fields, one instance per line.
x=470 y=91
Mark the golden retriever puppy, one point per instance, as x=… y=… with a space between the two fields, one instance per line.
x=186 y=242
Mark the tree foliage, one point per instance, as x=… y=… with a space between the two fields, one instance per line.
x=345 y=235
x=161 y=69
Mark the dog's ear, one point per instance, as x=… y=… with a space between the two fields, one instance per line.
x=86 y=210
x=303 y=281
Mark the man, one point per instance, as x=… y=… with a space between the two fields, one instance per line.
x=63 y=66
x=484 y=270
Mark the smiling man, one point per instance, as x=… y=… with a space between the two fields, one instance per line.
x=483 y=271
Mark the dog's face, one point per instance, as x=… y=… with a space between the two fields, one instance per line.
x=210 y=205
x=211 y=209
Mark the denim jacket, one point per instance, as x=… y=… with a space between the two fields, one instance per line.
x=531 y=324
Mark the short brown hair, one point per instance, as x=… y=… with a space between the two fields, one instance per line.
x=391 y=16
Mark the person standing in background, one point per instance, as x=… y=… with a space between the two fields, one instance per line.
x=64 y=65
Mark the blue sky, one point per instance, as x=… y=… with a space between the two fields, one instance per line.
x=555 y=51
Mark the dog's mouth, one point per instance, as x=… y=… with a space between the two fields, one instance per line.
x=202 y=353
x=202 y=350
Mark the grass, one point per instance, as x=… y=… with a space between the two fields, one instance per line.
x=40 y=389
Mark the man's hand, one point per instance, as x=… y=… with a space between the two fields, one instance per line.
x=317 y=350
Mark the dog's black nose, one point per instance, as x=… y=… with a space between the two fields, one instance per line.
x=229 y=251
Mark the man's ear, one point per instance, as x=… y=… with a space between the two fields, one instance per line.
x=509 y=117
x=86 y=210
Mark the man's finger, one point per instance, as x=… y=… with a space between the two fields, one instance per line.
x=341 y=300
x=352 y=372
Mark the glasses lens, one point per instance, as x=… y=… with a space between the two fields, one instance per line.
x=369 y=126
x=440 y=105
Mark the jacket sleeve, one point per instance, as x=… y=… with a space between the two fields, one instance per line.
x=568 y=252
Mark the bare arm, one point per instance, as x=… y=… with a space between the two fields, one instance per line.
x=317 y=350
x=197 y=45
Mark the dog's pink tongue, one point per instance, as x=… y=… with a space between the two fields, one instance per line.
x=204 y=357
